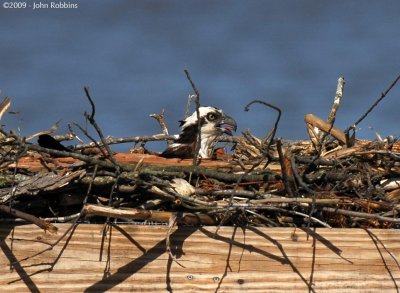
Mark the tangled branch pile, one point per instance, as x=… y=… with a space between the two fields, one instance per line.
x=331 y=180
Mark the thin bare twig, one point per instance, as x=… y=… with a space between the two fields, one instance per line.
x=383 y=95
x=98 y=130
x=197 y=100
x=247 y=108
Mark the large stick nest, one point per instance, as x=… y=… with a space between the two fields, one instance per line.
x=331 y=180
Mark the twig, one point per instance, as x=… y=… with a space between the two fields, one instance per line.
x=161 y=120
x=188 y=103
x=383 y=95
x=298 y=177
x=336 y=101
x=4 y=105
x=265 y=219
x=92 y=139
x=312 y=192
x=98 y=130
x=247 y=108
x=149 y=215
x=111 y=140
x=360 y=215
x=256 y=164
x=52 y=129
x=285 y=177
x=197 y=100
x=310 y=218
x=63 y=219
x=298 y=200
x=30 y=218
x=73 y=224
x=91 y=117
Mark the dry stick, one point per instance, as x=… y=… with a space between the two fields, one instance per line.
x=360 y=215
x=318 y=123
x=74 y=134
x=52 y=129
x=146 y=138
x=4 y=105
x=63 y=219
x=110 y=200
x=247 y=108
x=265 y=219
x=107 y=147
x=298 y=200
x=250 y=139
x=81 y=157
x=92 y=139
x=312 y=192
x=332 y=114
x=256 y=164
x=148 y=215
x=285 y=177
x=197 y=100
x=73 y=224
x=97 y=128
x=331 y=119
x=383 y=95
x=300 y=214
x=154 y=170
x=188 y=103
x=336 y=101
x=161 y=120
x=86 y=89
x=30 y=218
x=21 y=214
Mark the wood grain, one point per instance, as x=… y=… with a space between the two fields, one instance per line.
x=134 y=259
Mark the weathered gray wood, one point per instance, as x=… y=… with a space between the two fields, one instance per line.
x=40 y=182
x=134 y=259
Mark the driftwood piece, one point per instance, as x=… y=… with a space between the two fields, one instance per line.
x=135 y=258
x=315 y=121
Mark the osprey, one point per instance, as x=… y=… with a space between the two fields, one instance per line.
x=213 y=123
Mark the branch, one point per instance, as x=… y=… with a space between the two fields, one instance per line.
x=148 y=215
x=383 y=95
x=197 y=100
x=30 y=218
x=4 y=105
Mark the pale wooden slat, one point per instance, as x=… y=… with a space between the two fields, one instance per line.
x=235 y=260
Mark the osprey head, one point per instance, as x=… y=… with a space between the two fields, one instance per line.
x=213 y=123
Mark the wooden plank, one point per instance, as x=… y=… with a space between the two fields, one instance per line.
x=134 y=258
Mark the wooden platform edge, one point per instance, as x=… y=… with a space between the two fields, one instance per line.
x=135 y=258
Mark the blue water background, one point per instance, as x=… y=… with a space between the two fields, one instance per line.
x=132 y=55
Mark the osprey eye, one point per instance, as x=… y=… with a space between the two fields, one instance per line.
x=211 y=117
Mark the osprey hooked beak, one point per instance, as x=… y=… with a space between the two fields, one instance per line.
x=227 y=125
